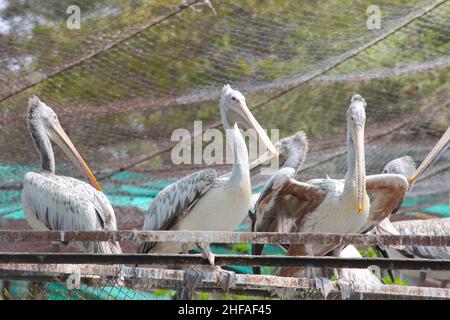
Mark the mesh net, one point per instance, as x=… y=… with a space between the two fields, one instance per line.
x=136 y=70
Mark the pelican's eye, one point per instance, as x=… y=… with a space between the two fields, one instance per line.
x=353 y=118
x=233 y=98
x=384 y=171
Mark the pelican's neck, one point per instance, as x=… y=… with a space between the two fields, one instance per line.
x=240 y=174
x=43 y=145
x=351 y=167
x=295 y=160
x=223 y=115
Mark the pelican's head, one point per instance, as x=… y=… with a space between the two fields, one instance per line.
x=233 y=109
x=42 y=118
x=293 y=150
x=404 y=166
x=356 y=119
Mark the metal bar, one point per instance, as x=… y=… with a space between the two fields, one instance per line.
x=153 y=278
x=221 y=260
x=224 y=237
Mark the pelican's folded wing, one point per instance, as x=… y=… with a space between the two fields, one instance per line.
x=386 y=193
x=64 y=203
x=429 y=227
x=300 y=198
x=175 y=200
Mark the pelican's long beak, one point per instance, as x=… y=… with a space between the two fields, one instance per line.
x=63 y=141
x=249 y=121
x=267 y=156
x=434 y=154
x=360 y=168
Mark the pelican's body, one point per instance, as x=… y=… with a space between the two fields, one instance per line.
x=336 y=213
x=202 y=201
x=428 y=227
x=53 y=202
x=363 y=278
x=220 y=206
x=221 y=201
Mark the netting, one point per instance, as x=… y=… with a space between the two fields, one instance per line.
x=136 y=70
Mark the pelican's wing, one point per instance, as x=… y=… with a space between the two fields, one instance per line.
x=357 y=277
x=386 y=227
x=430 y=227
x=175 y=200
x=386 y=193
x=286 y=199
x=265 y=206
x=283 y=202
x=54 y=202
x=264 y=217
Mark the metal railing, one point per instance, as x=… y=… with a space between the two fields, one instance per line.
x=99 y=269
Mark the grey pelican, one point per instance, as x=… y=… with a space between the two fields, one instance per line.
x=439 y=227
x=321 y=205
x=201 y=200
x=53 y=202
x=292 y=150
x=348 y=278
x=428 y=227
x=405 y=167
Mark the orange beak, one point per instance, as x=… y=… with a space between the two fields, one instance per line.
x=63 y=141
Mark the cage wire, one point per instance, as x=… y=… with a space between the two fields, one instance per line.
x=136 y=70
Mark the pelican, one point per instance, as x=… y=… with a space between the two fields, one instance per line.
x=427 y=227
x=350 y=277
x=53 y=202
x=406 y=168
x=439 y=227
x=322 y=205
x=201 y=200
x=292 y=150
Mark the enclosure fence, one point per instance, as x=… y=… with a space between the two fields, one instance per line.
x=131 y=276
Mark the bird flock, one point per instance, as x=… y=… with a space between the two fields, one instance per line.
x=204 y=201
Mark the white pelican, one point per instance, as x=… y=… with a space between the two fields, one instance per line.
x=201 y=201
x=322 y=205
x=53 y=202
